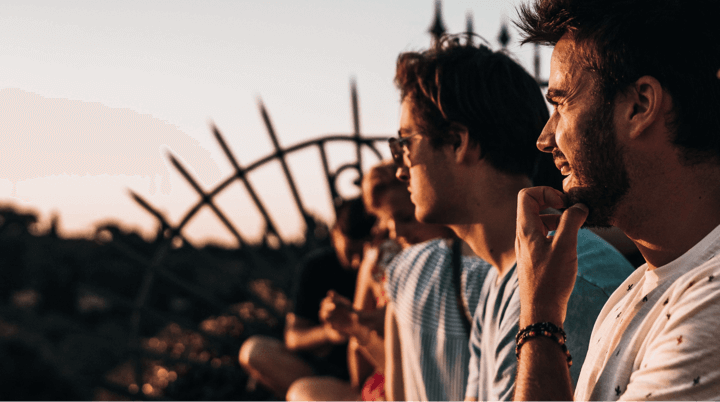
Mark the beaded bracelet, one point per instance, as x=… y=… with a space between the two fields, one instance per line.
x=546 y=329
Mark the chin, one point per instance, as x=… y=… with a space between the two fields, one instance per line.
x=601 y=208
x=425 y=215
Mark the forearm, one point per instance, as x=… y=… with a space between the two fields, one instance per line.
x=372 y=346
x=359 y=366
x=542 y=373
x=301 y=334
x=394 y=385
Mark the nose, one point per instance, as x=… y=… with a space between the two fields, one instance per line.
x=546 y=141
x=402 y=173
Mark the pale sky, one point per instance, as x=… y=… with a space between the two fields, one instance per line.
x=93 y=93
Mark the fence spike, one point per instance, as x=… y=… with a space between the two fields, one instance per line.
x=225 y=148
x=283 y=163
x=356 y=126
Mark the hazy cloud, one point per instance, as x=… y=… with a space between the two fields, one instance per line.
x=42 y=137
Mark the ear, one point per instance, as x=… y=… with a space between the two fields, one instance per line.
x=462 y=148
x=641 y=106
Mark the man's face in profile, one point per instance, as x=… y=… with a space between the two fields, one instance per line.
x=581 y=136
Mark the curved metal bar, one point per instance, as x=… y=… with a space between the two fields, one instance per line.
x=331 y=137
x=368 y=141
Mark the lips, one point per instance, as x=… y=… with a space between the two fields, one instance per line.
x=563 y=167
x=561 y=162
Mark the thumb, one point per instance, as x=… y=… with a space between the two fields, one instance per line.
x=570 y=223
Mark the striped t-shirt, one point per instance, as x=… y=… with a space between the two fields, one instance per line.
x=434 y=344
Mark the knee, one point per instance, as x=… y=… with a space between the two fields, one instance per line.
x=252 y=350
x=298 y=390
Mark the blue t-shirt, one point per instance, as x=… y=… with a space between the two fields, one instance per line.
x=493 y=365
x=433 y=339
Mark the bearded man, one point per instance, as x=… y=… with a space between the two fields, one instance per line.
x=635 y=129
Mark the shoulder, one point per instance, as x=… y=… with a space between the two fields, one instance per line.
x=408 y=267
x=700 y=285
x=419 y=253
x=475 y=273
x=599 y=263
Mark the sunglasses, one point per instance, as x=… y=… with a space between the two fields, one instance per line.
x=396 y=147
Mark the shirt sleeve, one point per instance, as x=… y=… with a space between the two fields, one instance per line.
x=472 y=390
x=682 y=359
x=506 y=361
x=497 y=383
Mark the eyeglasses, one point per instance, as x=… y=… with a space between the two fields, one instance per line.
x=396 y=147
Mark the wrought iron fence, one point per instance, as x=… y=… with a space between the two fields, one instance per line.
x=156 y=269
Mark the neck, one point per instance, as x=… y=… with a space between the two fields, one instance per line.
x=489 y=227
x=673 y=214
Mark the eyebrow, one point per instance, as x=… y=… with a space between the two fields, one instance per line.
x=554 y=93
x=405 y=131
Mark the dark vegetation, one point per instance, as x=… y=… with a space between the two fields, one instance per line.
x=86 y=319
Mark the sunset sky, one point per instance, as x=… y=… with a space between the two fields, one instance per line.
x=93 y=94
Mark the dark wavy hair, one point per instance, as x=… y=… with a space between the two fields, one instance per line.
x=675 y=41
x=486 y=91
x=353 y=221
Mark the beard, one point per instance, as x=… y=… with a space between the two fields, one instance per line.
x=599 y=169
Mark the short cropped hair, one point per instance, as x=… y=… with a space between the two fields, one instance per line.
x=675 y=41
x=352 y=220
x=483 y=90
x=377 y=182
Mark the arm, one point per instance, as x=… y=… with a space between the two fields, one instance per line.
x=547 y=267
x=362 y=326
x=394 y=386
x=360 y=362
x=301 y=334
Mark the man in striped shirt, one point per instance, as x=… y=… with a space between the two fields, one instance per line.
x=469 y=122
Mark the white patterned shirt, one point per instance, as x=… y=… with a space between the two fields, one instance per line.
x=657 y=338
x=434 y=342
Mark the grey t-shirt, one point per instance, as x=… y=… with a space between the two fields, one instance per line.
x=493 y=365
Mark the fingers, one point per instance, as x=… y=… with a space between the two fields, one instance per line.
x=550 y=222
x=570 y=223
x=530 y=202
x=342 y=300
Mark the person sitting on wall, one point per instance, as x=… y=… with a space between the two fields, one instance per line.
x=311 y=347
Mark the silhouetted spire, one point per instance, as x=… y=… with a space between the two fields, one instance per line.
x=469 y=27
x=438 y=27
x=504 y=36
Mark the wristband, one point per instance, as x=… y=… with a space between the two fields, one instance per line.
x=546 y=329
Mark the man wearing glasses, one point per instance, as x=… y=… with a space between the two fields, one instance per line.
x=469 y=122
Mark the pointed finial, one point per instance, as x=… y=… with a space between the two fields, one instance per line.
x=438 y=27
x=504 y=36
x=469 y=27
